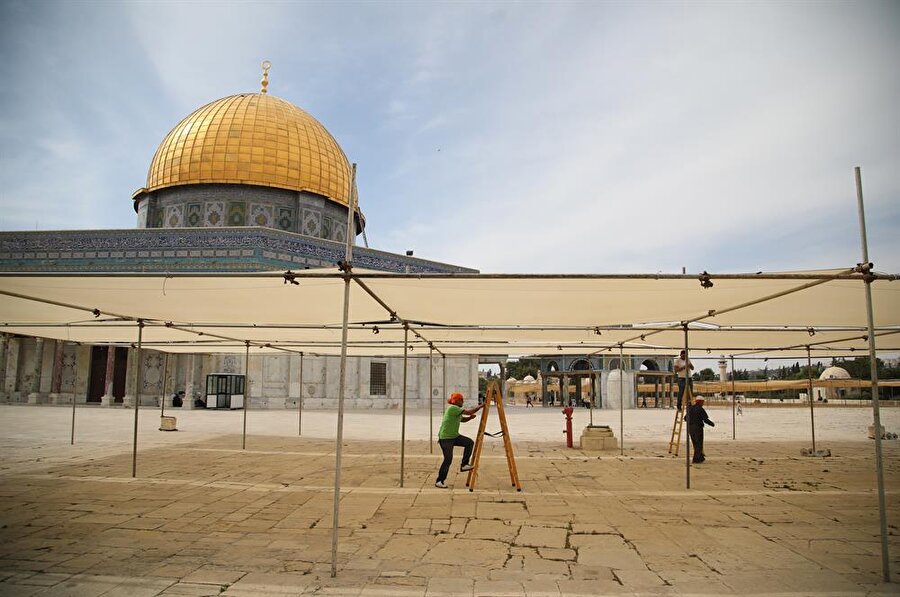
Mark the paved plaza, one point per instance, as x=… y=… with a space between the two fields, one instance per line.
x=205 y=517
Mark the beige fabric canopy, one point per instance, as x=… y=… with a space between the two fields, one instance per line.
x=457 y=314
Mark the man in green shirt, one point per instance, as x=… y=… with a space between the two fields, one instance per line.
x=449 y=437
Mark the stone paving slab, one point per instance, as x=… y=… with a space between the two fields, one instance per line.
x=207 y=518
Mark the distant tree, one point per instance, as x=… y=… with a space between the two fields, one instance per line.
x=706 y=375
x=519 y=369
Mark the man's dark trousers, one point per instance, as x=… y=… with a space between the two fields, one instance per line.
x=696 y=434
x=447 y=446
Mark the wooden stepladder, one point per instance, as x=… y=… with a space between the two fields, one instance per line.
x=675 y=440
x=493 y=396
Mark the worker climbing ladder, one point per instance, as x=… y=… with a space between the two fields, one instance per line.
x=493 y=396
x=675 y=440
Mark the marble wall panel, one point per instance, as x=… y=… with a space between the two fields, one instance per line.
x=69 y=368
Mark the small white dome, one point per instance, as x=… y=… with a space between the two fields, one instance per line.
x=528 y=379
x=511 y=380
x=834 y=373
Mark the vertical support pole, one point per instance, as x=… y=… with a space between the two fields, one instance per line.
x=621 y=402
x=4 y=350
x=72 y=439
x=139 y=376
x=403 y=409
x=300 y=400
x=593 y=396
x=686 y=407
x=246 y=391
x=812 y=414
x=348 y=256
x=430 y=399
x=162 y=401
x=873 y=364
x=733 y=401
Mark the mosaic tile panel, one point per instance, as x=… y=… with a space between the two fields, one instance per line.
x=340 y=234
x=260 y=215
x=237 y=214
x=312 y=222
x=184 y=249
x=174 y=217
x=214 y=214
x=285 y=219
x=194 y=214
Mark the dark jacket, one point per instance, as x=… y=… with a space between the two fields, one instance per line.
x=696 y=416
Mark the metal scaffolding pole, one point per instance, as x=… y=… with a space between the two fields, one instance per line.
x=431 y=400
x=346 y=269
x=621 y=402
x=300 y=400
x=403 y=416
x=812 y=413
x=72 y=440
x=139 y=380
x=865 y=268
x=246 y=391
x=684 y=396
x=733 y=402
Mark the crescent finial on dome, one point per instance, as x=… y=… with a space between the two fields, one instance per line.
x=266 y=65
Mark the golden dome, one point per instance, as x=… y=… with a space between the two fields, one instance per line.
x=255 y=139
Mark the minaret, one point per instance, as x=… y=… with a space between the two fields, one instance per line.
x=723 y=370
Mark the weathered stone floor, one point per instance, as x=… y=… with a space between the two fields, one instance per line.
x=207 y=518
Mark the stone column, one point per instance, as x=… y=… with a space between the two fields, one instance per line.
x=35 y=396
x=130 y=397
x=189 y=378
x=56 y=380
x=108 y=399
x=4 y=345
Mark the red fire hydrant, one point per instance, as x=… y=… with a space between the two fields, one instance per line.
x=568 y=412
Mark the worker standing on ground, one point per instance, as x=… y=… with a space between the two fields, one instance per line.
x=696 y=418
x=683 y=368
x=449 y=437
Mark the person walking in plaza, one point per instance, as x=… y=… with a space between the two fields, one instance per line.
x=449 y=437
x=696 y=418
x=683 y=368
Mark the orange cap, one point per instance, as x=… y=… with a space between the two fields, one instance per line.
x=455 y=398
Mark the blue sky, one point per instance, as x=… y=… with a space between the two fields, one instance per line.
x=510 y=137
